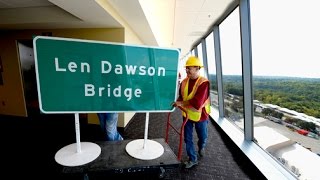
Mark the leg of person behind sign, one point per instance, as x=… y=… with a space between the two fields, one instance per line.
x=108 y=123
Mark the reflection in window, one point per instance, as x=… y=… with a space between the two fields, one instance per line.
x=231 y=68
x=286 y=83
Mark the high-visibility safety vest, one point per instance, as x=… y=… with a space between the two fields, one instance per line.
x=193 y=114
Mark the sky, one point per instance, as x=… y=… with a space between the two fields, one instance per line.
x=285 y=39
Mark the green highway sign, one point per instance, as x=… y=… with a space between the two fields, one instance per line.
x=77 y=76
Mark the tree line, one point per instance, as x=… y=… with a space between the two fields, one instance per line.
x=298 y=94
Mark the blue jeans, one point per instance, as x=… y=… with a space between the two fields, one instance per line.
x=108 y=123
x=202 y=132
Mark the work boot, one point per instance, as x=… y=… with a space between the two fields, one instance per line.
x=190 y=164
x=201 y=152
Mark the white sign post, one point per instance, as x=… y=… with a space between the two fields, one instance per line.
x=145 y=149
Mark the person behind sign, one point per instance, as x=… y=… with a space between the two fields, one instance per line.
x=194 y=98
x=108 y=123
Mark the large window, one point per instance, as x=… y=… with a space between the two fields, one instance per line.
x=286 y=82
x=200 y=56
x=212 y=71
x=232 y=68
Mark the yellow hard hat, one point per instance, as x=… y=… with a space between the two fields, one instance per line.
x=193 y=61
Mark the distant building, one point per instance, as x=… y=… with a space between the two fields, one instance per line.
x=274 y=119
x=258 y=106
x=288 y=113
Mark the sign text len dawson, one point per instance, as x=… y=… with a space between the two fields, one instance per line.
x=106 y=67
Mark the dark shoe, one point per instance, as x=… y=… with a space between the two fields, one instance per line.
x=201 y=152
x=190 y=164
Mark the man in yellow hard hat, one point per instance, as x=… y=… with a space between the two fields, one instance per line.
x=194 y=98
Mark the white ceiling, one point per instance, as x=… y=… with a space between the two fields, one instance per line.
x=165 y=23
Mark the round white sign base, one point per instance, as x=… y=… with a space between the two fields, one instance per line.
x=68 y=155
x=151 y=150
